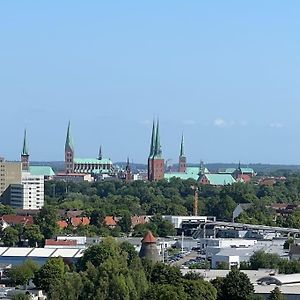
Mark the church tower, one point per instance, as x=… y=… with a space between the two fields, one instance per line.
x=25 y=154
x=182 y=157
x=151 y=153
x=156 y=167
x=128 y=174
x=69 y=152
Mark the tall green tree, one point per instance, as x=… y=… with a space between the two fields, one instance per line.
x=237 y=286
x=47 y=221
x=125 y=223
x=199 y=290
x=21 y=274
x=51 y=276
x=33 y=234
x=10 y=236
x=166 y=292
x=165 y=274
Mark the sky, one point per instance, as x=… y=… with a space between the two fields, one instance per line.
x=225 y=73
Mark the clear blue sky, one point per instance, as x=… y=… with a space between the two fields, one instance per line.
x=225 y=72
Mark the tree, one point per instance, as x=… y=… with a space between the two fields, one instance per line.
x=276 y=294
x=164 y=227
x=98 y=254
x=125 y=223
x=218 y=283
x=165 y=274
x=10 y=236
x=199 y=290
x=47 y=221
x=237 y=286
x=21 y=274
x=33 y=234
x=166 y=292
x=6 y=210
x=72 y=286
x=97 y=218
x=51 y=275
x=261 y=259
x=130 y=251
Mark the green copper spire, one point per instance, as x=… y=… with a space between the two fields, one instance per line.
x=100 y=153
x=157 y=147
x=69 y=140
x=152 y=145
x=182 y=147
x=25 y=147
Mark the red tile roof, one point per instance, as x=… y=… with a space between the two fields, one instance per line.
x=85 y=221
x=148 y=238
x=62 y=224
x=136 y=220
x=76 y=221
x=15 y=220
x=109 y=221
x=51 y=242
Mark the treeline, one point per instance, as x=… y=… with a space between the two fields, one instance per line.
x=176 y=197
x=110 y=270
x=263 y=260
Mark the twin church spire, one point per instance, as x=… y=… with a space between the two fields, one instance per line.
x=155 y=146
x=155 y=159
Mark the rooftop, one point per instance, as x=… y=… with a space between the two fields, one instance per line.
x=41 y=170
x=92 y=161
x=149 y=238
x=220 y=179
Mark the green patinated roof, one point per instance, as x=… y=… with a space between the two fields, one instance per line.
x=41 y=171
x=192 y=170
x=232 y=170
x=152 y=146
x=92 y=161
x=25 y=150
x=157 y=147
x=182 y=147
x=182 y=176
x=69 y=140
x=220 y=179
x=229 y=171
x=191 y=173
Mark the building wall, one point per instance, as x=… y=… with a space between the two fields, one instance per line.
x=13 y=196
x=182 y=164
x=69 y=160
x=10 y=173
x=158 y=169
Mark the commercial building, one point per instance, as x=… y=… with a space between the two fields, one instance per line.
x=10 y=173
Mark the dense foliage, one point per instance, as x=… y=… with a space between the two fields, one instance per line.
x=263 y=260
x=112 y=271
x=174 y=197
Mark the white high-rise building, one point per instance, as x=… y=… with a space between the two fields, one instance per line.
x=33 y=191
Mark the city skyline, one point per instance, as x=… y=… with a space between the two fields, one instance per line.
x=225 y=74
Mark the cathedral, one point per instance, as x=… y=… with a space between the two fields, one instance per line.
x=156 y=166
x=94 y=166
